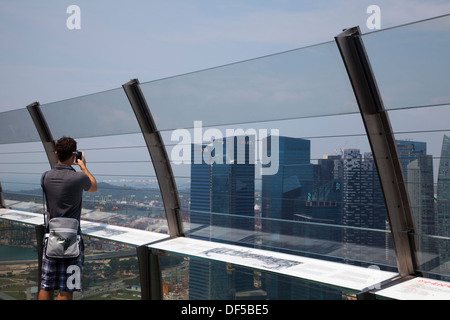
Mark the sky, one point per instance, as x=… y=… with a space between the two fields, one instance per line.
x=41 y=59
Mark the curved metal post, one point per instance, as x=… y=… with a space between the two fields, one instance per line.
x=158 y=154
x=2 y=200
x=44 y=132
x=382 y=141
x=49 y=145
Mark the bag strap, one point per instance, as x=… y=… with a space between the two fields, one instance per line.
x=44 y=200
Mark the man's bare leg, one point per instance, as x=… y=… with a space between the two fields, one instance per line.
x=65 y=295
x=45 y=295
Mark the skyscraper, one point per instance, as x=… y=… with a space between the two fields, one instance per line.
x=222 y=202
x=421 y=194
x=223 y=194
x=363 y=205
x=326 y=201
x=418 y=173
x=443 y=205
x=285 y=193
x=409 y=151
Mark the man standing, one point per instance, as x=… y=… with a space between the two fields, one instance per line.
x=63 y=188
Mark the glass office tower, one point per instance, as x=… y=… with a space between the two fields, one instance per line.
x=222 y=201
x=284 y=197
x=363 y=205
x=443 y=204
x=418 y=173
x=285 y=193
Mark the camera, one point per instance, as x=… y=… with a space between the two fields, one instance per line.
x=79 y=156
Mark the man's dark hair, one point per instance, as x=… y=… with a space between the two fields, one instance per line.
x=65 y=147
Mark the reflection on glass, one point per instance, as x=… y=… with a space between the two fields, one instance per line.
x=99 y=114
x=296 y=84
x=124 y=203
x=111 y=269
x=411 y=63
x=198 y=279
x=411 y=66
x=17 y=127
x=18 y=261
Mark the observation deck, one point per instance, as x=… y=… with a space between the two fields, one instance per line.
x=316 y=173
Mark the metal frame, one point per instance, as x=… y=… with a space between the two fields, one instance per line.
x=40 y=234
x=149 y=273
x=382 y=142
x=44 y=132
x=158 y=154
x=49 y=145
x=2 y=200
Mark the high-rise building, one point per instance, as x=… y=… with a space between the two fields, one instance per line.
x=443 y=205
x=409 y=151
x=326 y=204
x=285 y=193
x=222 y=202
x=284 y=197
x=363 y=205
x=418 y=174
x=421 y=196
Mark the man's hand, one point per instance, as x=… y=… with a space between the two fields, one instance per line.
x=82 y=163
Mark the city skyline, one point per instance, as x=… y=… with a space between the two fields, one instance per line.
x=307 y=209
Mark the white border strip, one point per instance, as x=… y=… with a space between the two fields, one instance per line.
x=120 y=234
x=332 y=273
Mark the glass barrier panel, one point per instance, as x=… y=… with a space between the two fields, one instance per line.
x=128 y=192
x=99 y=114
x=174 y=276
x=199 y=279
x=111 y=272
x=411 y=63
x=111 y=269
x=300 y=83
x=434 y=263
x=411 y=66
x=18 y=262
x=16 y=126
x=21 y=167
x=423 y=143
x=314 y=192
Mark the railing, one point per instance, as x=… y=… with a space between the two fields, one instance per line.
x=377 y=200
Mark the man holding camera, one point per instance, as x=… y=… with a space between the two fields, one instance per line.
x=63 y=187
